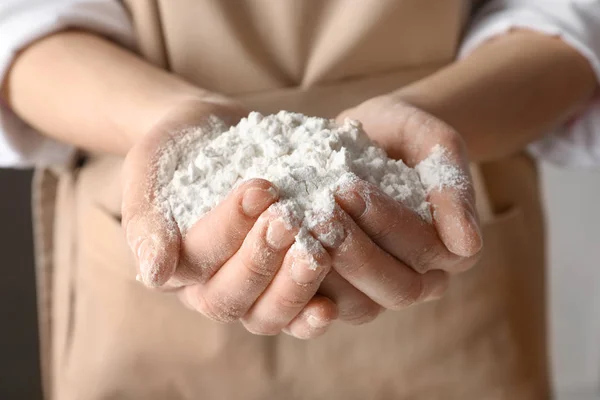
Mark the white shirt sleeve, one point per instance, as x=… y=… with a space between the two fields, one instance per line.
x=25 y=21
x=577 y=22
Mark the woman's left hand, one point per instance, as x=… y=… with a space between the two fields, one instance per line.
x=389 y=257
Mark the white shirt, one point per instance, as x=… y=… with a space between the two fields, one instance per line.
x=577 y=22
x=577 y=143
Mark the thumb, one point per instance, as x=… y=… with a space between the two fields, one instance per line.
x=151 y=233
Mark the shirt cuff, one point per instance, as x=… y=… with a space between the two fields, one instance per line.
x=22 y=22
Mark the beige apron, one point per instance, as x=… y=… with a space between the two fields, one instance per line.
x=104 y=336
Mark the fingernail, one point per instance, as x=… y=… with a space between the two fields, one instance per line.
x=438 y=289
x=147 y=261
x=352 y=200
x=353 y=203
x=143 y=249
x=278 y=235
x=316 y=322
x=435 y=294
x=134 y=242
x=479 y=236
x=257 y=200
x=462 y=235
x=472 y=241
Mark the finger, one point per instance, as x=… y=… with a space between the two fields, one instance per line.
x=383 y=278
x=230 y=293
x=353 y=306
x=397 y=229
x=219 y=234
x=303 y=269
x=314 y=320
x=452 y=197
x=440 y=157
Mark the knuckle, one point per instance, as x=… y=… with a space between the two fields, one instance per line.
x=190 y=270
x=291 y=301
x=367 y=255
x=361 y=314
x=258 y=265
x=408 y=296
x=221 y=310
x=385 y=229
x=428 y=259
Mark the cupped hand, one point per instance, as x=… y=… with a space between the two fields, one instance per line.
x=388 y=257
x=238 y=261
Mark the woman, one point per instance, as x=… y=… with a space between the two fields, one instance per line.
x=525 y=67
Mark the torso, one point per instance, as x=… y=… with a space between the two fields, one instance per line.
x=485 y=340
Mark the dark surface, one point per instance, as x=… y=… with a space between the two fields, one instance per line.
x=19 y=366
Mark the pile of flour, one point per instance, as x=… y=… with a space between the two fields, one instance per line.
x=307 y=159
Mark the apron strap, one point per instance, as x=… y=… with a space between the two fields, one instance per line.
x=46 y=188
x=45 y=184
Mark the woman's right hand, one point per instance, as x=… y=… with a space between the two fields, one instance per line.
x=237 y=262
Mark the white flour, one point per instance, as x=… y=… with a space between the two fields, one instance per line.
x=307 y=158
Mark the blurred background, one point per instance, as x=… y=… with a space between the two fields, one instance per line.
x=572 y=206
x=572 y=198
x=19 y=370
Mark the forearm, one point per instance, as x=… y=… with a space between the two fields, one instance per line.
x=507 y=93
x=87 y=91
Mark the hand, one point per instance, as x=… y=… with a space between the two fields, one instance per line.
x=237 y=261
x=388 y=256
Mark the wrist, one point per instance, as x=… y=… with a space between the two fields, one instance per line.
x=162 y=108
x=190 y=110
